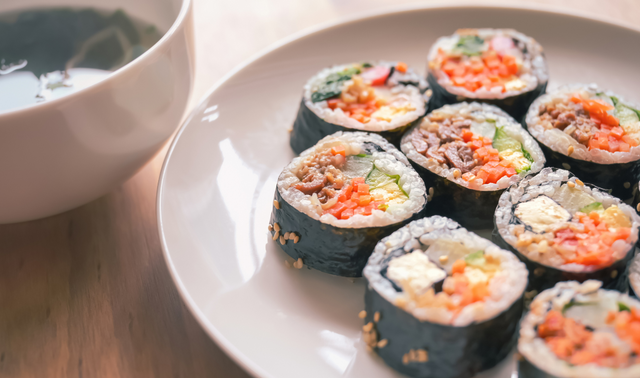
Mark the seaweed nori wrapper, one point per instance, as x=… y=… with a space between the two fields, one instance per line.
x=517 y=106
x=454 y=352
x=471 y=208
x=621 y=180
x=329 y=249
x=636 y=198
x=542 y=277
x=308 y=129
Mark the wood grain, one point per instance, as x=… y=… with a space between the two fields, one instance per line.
x=87 y=293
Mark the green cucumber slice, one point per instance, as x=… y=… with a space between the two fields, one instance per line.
x=378 y=179
x=595 y=206
x=475 y=259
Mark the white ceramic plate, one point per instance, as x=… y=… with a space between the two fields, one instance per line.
x=217 y=185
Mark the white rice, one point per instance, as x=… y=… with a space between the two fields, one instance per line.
x=534 y=68
x=535 y=350
x=559 y=141
x=390 y=161
x=547 y=182
x=399 y=92
x=506 y=286
x=634 y=274
x=479 y=113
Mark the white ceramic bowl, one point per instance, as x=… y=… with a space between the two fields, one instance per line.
x=60 y=154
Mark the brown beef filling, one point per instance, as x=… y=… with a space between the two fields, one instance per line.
x=570 y=118
x=321 y=174
x=445 y=145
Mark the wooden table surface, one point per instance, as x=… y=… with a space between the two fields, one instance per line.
x=87 y=293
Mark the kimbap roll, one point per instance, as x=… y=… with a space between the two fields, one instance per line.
x=634 y=277
x=441 y=302
x=578 y=330
x=467 y=154
x=593 y=133
x=565 y=230
x=498 y=66
x=337 y=199
x=383 y=98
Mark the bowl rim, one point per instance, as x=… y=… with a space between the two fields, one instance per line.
x=213 y=332
x=185 y=7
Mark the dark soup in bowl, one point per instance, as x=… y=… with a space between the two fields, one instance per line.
x=47 y=53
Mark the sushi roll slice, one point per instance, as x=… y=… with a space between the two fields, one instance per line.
x=378 y=97
x=593 y=133
x=498 y=66
x=467 y=154
x=441 y=302
x=577 y=330
x=565 y=230
x=337 y=199
x=634 y=277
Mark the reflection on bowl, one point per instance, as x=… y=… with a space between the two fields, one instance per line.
x=72 y=133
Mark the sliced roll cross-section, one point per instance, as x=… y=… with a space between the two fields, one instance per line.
x=441 y=301
x=578 y=330
x=591 y=132
x=337 y=199
x=566 y=230
x=498 y=66
x=467 y=154
x=378 y=97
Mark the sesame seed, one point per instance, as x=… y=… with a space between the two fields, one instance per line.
x=376 y=317
x=374 y=338
x=423 y=356
x=443 y=259
x=614 y=274
x=270 y=228
x=538 y=271
x=413 y=355
x=383 y=343
x=405 y=359
x=362 y=314
x=571 y=184
x=627 y=185
x=456 y=173
x=276 y=204
x=530 y=294
x=296 y=239
x=638 y=207
x=366 y=337
x=298 y=264
x=579 y=182
x=276 y=227
x=367 y=327
x=287 y=264
x=569 y=150
x=566 y=166
x=431 y=191
x=282 y=240
x=276 y=235
x=286 y=235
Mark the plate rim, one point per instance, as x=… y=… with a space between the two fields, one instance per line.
x=238 y=357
